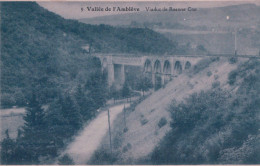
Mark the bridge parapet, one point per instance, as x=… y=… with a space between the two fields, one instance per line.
x=133 y=61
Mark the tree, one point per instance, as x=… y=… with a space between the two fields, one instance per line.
x=126 y=92
x=7 y=150
x=97 y=89
x=71 y=114
x=34 y=117
x=113 y=93
x=83 y=103
x=144 y=84
x=201 y=48
x=64 y=120
x=56 y=124
x=35 y=136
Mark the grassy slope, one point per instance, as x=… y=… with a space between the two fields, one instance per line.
x=218 y=126
x=140 y=140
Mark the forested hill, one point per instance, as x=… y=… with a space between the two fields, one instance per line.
x=42 y=50
x=103 y=38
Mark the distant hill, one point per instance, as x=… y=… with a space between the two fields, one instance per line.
x=42 y=50
x=209 y=26
x=244 y=15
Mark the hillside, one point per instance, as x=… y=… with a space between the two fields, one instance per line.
x=150 y=121
x=42 y=51
x=216 y=126
x=215 y=43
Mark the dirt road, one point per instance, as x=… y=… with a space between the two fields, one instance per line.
x=85 y=144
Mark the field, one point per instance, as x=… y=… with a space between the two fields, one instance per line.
x=11 y=119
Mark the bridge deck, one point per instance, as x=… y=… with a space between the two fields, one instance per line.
x=168 y=56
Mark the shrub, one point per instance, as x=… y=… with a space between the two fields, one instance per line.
x=232 y=60
x=213 y=59
x=125 y=129
x=127 y=147
x=66 y=160
x=135 y=103
x=162 y=122
x=243 y=70
x=144 y=121
x=201 y=48
x=232 y=77
x=104 y=157
x=209 y=73
x=216 y=77
x=215 y=84
x=204 y=63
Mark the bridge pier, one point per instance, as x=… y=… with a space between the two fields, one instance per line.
x=111 y=74
x=122 y=74
x=162 y=79
x=153 y=78
x=116 y=74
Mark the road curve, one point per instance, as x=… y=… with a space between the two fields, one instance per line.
x=89 y=139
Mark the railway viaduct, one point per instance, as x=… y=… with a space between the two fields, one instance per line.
x=165 y=67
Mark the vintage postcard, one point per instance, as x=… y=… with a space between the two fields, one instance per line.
x=130 y=83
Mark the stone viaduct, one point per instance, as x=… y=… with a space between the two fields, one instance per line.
x=166 y=67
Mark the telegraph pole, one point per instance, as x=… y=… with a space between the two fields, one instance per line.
x=124 y=117
x=110 y=141
x=235 y=37
x=235 y=41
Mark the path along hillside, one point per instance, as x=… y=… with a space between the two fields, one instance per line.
x=143 y=132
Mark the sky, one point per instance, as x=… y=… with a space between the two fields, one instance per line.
x=72 y=10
